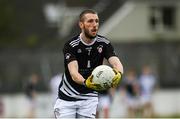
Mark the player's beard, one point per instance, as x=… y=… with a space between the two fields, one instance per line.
x=88 y=35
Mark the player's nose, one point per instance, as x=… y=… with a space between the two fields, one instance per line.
x=95 y=23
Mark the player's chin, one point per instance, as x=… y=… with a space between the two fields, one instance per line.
x=93 y=36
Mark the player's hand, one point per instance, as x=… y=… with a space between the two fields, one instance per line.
x=117 y=78
x=89 y=84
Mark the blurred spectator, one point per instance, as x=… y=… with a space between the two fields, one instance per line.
x=54 y=84
x=131 y=89
x=105 y=100
x=31 y=94
x=147 y=83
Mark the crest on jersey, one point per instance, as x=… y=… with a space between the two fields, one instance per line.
x=68 y=55
x=100 y=48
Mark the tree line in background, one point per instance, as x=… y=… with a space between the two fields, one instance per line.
x=8 y=29
x=22 y=25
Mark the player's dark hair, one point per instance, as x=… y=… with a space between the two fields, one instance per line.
x=81 y=16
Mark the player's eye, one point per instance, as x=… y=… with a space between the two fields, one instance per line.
x=97 y=21
x=90 y=21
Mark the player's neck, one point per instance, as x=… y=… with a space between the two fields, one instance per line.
x=85 y=39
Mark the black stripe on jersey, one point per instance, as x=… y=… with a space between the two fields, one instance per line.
x=89 y=95
x=75 y=42
x=63 y=96
x=67 y=91
x=69 y=88
x=94 y=94
x=67 y=98
x=102 y=39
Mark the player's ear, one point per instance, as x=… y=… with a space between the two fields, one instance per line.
x=80 y=24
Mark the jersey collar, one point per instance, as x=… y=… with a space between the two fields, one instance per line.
x=87 y=43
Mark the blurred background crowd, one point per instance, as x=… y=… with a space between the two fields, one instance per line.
x=145 y=34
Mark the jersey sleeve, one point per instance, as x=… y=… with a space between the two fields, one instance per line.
x=69 y=53
x=109 y=51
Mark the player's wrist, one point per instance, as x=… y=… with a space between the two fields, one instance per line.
x=120 y=73
x=84 y=83
x=117 y=71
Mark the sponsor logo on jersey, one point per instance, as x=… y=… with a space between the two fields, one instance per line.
x=79 y=51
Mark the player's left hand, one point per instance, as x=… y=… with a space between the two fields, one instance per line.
x=89 y=84
x=117 y=78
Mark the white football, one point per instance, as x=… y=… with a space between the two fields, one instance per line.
x=103 y=75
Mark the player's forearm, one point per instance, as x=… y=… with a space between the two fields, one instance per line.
x=76 y=76
x=115 y=62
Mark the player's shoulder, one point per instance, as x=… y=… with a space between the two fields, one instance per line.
x=74 y=41
x=102 y=39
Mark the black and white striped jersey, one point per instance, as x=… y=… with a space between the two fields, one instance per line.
x=88 y=57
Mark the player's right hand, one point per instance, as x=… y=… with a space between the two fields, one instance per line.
x=89 y=84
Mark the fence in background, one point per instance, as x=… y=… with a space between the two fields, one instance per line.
x=165 y=103
x=17 y=65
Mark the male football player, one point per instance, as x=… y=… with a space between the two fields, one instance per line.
x=78 y=96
